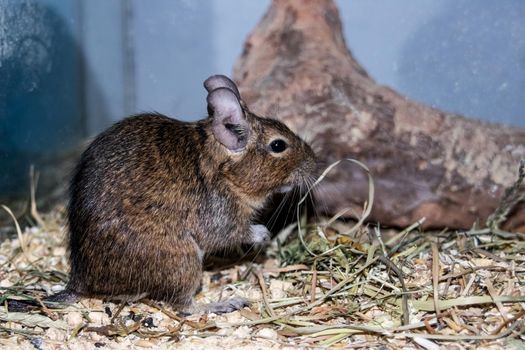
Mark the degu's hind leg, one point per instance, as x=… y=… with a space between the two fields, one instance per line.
x=221 y=307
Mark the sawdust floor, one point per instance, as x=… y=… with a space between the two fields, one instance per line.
x=342 y=300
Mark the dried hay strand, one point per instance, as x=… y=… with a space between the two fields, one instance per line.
x=324 y=283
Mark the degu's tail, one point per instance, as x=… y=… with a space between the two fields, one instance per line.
x=65 y=296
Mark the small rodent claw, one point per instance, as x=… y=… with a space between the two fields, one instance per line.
x=184 y=313
x=238 y=302
x=227 y=306
x=259 y=234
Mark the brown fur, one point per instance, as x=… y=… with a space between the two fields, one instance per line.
x=151 y=195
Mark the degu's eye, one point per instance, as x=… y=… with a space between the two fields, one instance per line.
x=278 y=146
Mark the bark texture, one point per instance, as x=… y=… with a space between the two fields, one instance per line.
x=296 y=67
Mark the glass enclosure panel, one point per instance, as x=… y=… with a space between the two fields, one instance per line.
x=68 y=69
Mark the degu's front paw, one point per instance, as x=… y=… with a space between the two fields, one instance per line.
x=259 y=234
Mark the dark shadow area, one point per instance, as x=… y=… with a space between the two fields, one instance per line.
x=42 y=107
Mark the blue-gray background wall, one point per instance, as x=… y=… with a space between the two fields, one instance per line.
x=70 y=68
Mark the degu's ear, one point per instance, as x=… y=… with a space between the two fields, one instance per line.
x=229 y=122
x=221 y=81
